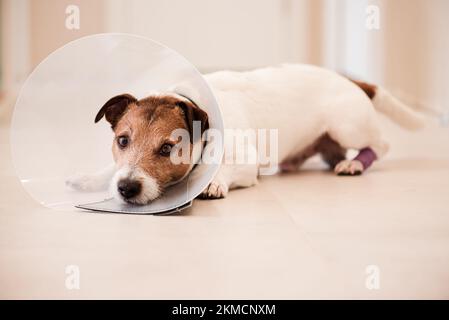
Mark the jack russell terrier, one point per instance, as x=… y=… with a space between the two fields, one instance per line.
x=316 y=111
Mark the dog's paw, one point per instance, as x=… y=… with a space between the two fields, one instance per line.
x=83 y=182
x=349 y=168
x=215 y=190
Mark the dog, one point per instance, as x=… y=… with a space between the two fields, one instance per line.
x=315 y=110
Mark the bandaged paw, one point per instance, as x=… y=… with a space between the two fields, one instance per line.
x=349 y=168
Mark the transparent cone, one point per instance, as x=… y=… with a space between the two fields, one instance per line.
x=53 y=134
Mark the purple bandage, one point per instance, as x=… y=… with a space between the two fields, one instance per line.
x=366 y=156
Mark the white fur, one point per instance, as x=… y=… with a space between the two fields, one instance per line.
x=92 y=182
x=110 y=176
x=392 y=107
x=303 y=102
x=150 y=187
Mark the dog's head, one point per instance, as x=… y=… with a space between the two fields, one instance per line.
x=144 y=142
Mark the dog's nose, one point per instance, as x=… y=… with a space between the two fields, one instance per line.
x=129 y=188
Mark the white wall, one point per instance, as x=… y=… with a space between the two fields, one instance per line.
x=215 y=34
x=408 y=54
x=15 y=43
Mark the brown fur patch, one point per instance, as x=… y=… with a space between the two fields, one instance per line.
x=148 y=126
x=331 y=152
x=144 y=129
x=369 y=89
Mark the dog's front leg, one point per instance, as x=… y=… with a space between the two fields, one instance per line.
x=230 y=177
x=233 y=173
x=92 y=182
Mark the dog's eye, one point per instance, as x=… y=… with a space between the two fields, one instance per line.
x=165 y=149
x=123 y=141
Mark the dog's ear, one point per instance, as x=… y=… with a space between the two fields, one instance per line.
x=114 y=108
x=193 y=113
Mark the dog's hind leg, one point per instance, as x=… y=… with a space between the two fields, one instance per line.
x=357 y=165
x=331 y=151
x=294 y=162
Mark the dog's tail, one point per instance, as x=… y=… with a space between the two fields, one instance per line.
x=392 y=107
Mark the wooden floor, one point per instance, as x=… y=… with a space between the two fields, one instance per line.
x=308 y=235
